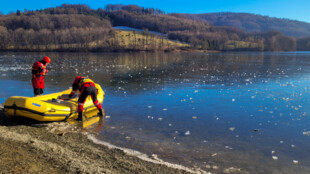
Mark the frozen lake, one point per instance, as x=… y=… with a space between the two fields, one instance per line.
x=244 y=112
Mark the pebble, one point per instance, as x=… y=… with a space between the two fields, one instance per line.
x=214 y=154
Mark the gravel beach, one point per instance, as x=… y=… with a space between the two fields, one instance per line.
x=57 y=147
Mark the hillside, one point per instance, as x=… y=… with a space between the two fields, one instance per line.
x=251 y=22
x=80 y=28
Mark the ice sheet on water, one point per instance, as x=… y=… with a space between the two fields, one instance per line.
x=14 y=68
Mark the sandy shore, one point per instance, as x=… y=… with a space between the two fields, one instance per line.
x=58 y=147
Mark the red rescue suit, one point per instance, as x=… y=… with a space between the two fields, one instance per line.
x=38 y=72
x=86 y=87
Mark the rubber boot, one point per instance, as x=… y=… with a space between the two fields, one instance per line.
x=80 y=116
x=100 y=112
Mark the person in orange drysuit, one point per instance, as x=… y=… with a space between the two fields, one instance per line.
x=38 y=72
x=86 y=87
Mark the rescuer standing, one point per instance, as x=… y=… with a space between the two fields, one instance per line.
x=38 y=72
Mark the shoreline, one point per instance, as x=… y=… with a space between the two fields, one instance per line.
x=120 y=51
x=58 y=147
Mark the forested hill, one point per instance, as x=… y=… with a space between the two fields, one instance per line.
x=251 y=22
x=80 y=28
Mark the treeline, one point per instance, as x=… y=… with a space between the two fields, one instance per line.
x=303 y=44
x=80 y=28
x=42 y=32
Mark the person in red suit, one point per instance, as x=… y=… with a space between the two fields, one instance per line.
x=38 y=72
x=86 y=87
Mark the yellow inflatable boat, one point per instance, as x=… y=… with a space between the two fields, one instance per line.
x=49 y=107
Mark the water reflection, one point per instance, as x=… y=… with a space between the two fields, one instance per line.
x=216 y=111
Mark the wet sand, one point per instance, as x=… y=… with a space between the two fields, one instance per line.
x=58 y=147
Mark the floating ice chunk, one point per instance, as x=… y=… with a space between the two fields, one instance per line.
x=108 y=116
x=295 y=161
x=275 y=157
x=232 y=129
x=272 y=152
x=170 y=124
x=194 y=117
x=187 y=133
x=160 y=118
x=281 y=142
x=233 y=100
x=196 y=91
x=169 y=94
x=165 y=109
x=149 y=106
x=237 y=136
x=292 y=145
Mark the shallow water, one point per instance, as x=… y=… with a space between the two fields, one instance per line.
x=244 y=110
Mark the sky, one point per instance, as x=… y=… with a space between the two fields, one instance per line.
x=289 y=9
